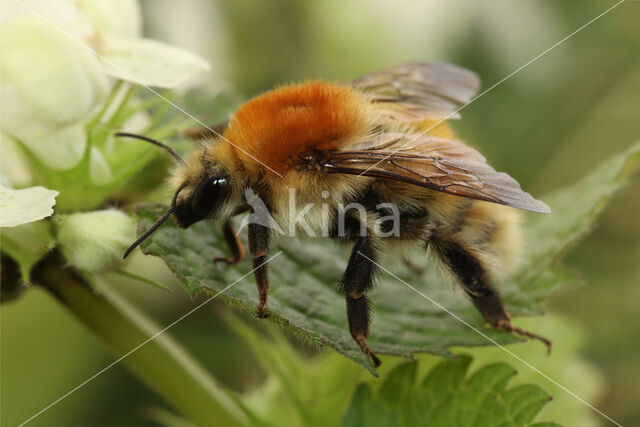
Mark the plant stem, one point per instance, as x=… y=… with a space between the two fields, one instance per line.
x=157 y=359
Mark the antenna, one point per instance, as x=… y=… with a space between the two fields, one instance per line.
x=171 y=151
x=155 y=225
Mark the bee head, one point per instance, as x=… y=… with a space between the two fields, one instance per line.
x=204 y=187
x=203 y=197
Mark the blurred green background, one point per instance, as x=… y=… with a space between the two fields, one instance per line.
x=547 y=126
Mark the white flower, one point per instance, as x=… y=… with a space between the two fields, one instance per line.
x=31 y=204
x=56 y=63
x=62 y=13
x=48 y=89
x=128 y=57
x=113 y=30
x=149 y=62
x=13 y=164
x=116 y=17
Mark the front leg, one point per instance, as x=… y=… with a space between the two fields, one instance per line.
x=258 y=246
x=233 y=244
x=232 y=239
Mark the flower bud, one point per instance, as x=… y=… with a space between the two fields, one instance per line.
x=94 y=241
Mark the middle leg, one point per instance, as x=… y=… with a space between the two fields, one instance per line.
x=259 y=237
x=357 y=280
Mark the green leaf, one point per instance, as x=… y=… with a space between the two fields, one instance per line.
x=566 y=366
x=446 y=398
x=575 y=209
x=303 y=278
x=141 y=279
x=286 y=398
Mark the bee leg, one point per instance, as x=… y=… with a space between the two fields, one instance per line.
x=233 y=243
x=357 y=279
x=474 y=279
x=258 y=246
x=415 y=269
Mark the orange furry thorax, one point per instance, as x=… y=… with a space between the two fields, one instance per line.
x=281 y=125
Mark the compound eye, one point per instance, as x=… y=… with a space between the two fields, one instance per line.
x=219 y=181
x=209 y=195
x=205 y=201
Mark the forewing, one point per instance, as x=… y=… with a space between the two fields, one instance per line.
x=419 y=91
x=438 y=164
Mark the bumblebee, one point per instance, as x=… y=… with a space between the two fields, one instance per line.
x=378 y=141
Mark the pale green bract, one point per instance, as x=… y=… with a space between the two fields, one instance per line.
x=94 y=241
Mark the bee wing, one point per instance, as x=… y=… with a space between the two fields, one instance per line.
x=420 y=91
x=439 y=164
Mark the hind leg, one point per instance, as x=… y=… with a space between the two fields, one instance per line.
x=475 y=280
